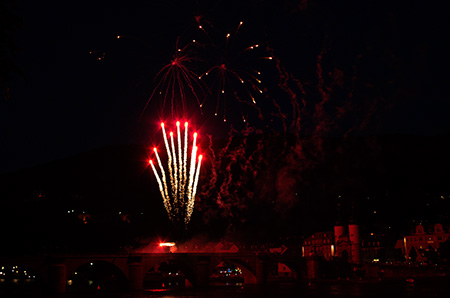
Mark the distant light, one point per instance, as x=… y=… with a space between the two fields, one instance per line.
x=167 y=244
x=91 y=264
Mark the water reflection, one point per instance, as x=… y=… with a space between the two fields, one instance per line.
x=335 y=289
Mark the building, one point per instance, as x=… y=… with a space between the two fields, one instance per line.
x=419 y=245
x=344 y=242
x=319 y=244
x=378 y=248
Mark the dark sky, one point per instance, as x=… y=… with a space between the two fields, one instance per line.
x=69 y=102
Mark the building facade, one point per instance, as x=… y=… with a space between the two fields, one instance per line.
x=422 y=242
x=319 y=244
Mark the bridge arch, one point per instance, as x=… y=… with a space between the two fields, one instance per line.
x=95 y=276
x=249 y=276
x=169 y=271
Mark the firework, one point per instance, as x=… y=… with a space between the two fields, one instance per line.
x=179 y=195
x=217 y=67
x=233 y=76
x=176 y=81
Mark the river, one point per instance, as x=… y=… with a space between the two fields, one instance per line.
x=336 y=289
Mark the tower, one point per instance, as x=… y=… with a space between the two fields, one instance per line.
x=339 y=229
x=355 y=242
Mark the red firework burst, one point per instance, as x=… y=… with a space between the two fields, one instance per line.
x=233 y=77
x=176 y=81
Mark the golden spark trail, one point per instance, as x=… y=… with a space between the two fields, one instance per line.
x=192 y=168
x=180 y=163
x=169 y=156
x=185 y=156
x=190 y=207
x=163 y=174
x=179 y=200
x=175 y=170
x=160 y=188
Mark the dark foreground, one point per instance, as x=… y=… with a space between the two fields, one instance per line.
x=374 y=288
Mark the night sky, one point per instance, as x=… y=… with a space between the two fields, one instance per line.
x=68 y=102
x=371 y=69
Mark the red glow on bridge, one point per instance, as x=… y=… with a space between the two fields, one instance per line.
x=162 y=244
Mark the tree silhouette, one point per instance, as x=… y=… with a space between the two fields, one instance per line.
x=413 y=254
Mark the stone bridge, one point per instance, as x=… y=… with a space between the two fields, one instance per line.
x=54 y=269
